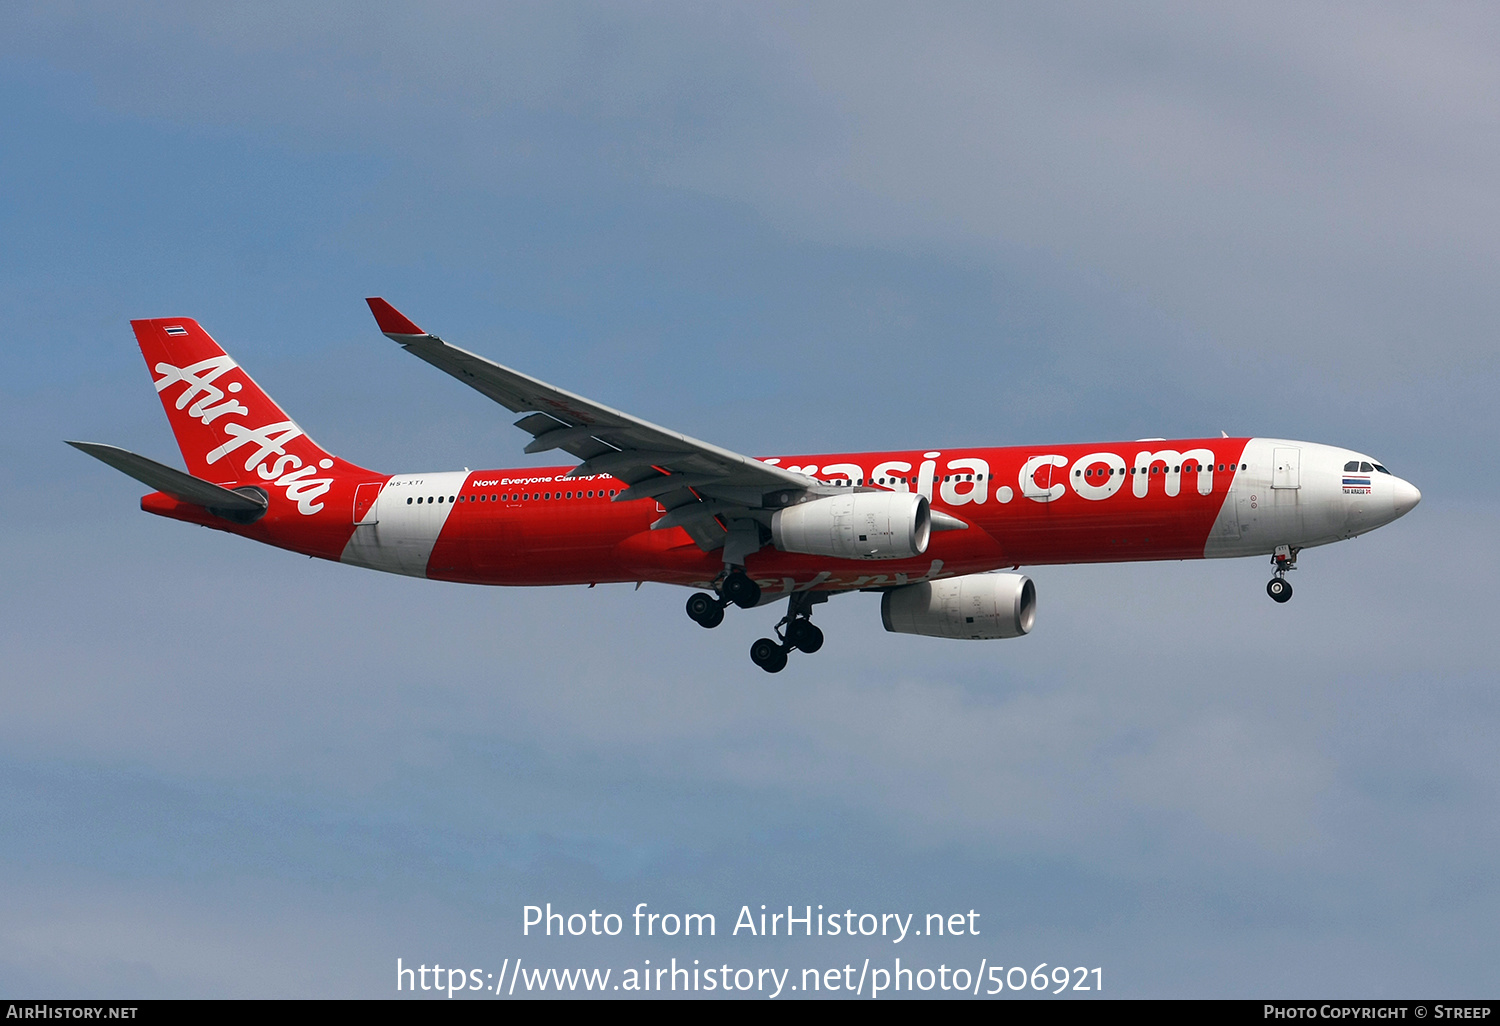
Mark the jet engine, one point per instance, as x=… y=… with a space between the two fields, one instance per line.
x=861 y=525
x=975 y=606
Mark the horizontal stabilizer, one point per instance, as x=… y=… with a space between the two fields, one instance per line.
x=174 y=482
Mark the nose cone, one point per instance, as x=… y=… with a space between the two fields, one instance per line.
x=1406 y=497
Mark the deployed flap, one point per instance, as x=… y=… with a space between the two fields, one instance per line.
x=175 y=483
x=643 y=455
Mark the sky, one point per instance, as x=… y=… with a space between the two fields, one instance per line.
x=233 y=771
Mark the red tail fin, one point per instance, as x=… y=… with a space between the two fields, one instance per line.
x=228 y=429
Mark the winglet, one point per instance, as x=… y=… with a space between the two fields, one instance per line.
x=391 y=320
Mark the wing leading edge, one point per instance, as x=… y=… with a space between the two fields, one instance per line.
x=712 y=493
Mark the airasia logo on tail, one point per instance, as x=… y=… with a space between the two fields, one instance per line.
x=265 y=446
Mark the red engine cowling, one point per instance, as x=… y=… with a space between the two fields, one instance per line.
x=862 y=525
x=976 y=606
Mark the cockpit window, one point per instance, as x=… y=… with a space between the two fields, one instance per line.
x=1366 y=467
x=1381 y=469
x=1351 y=466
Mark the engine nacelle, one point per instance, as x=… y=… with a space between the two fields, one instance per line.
x=861 y=525
x=975 y=606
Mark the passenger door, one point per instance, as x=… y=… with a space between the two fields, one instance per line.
x=1286 y=468
x=364 y=503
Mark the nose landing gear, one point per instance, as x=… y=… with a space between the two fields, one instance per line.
x=795 y=631
x=1285 y=560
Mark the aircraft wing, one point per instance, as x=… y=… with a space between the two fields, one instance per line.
x=702 y=487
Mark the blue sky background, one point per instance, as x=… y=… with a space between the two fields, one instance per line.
x=230 y=770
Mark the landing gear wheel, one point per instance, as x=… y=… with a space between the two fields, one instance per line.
x=768 y=655
x=740 y=590
x=705 y=610
x=804 y=634
x=1279 y=589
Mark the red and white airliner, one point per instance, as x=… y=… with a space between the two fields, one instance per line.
x=927 y=527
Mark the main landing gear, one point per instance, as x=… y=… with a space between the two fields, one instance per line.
x=705 y=610
x=795 y=631
x=735 y=586
x=1284 y=559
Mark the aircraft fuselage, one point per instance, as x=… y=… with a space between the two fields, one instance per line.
x=1024 y=506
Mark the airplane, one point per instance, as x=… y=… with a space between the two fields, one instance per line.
x=938 y=532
